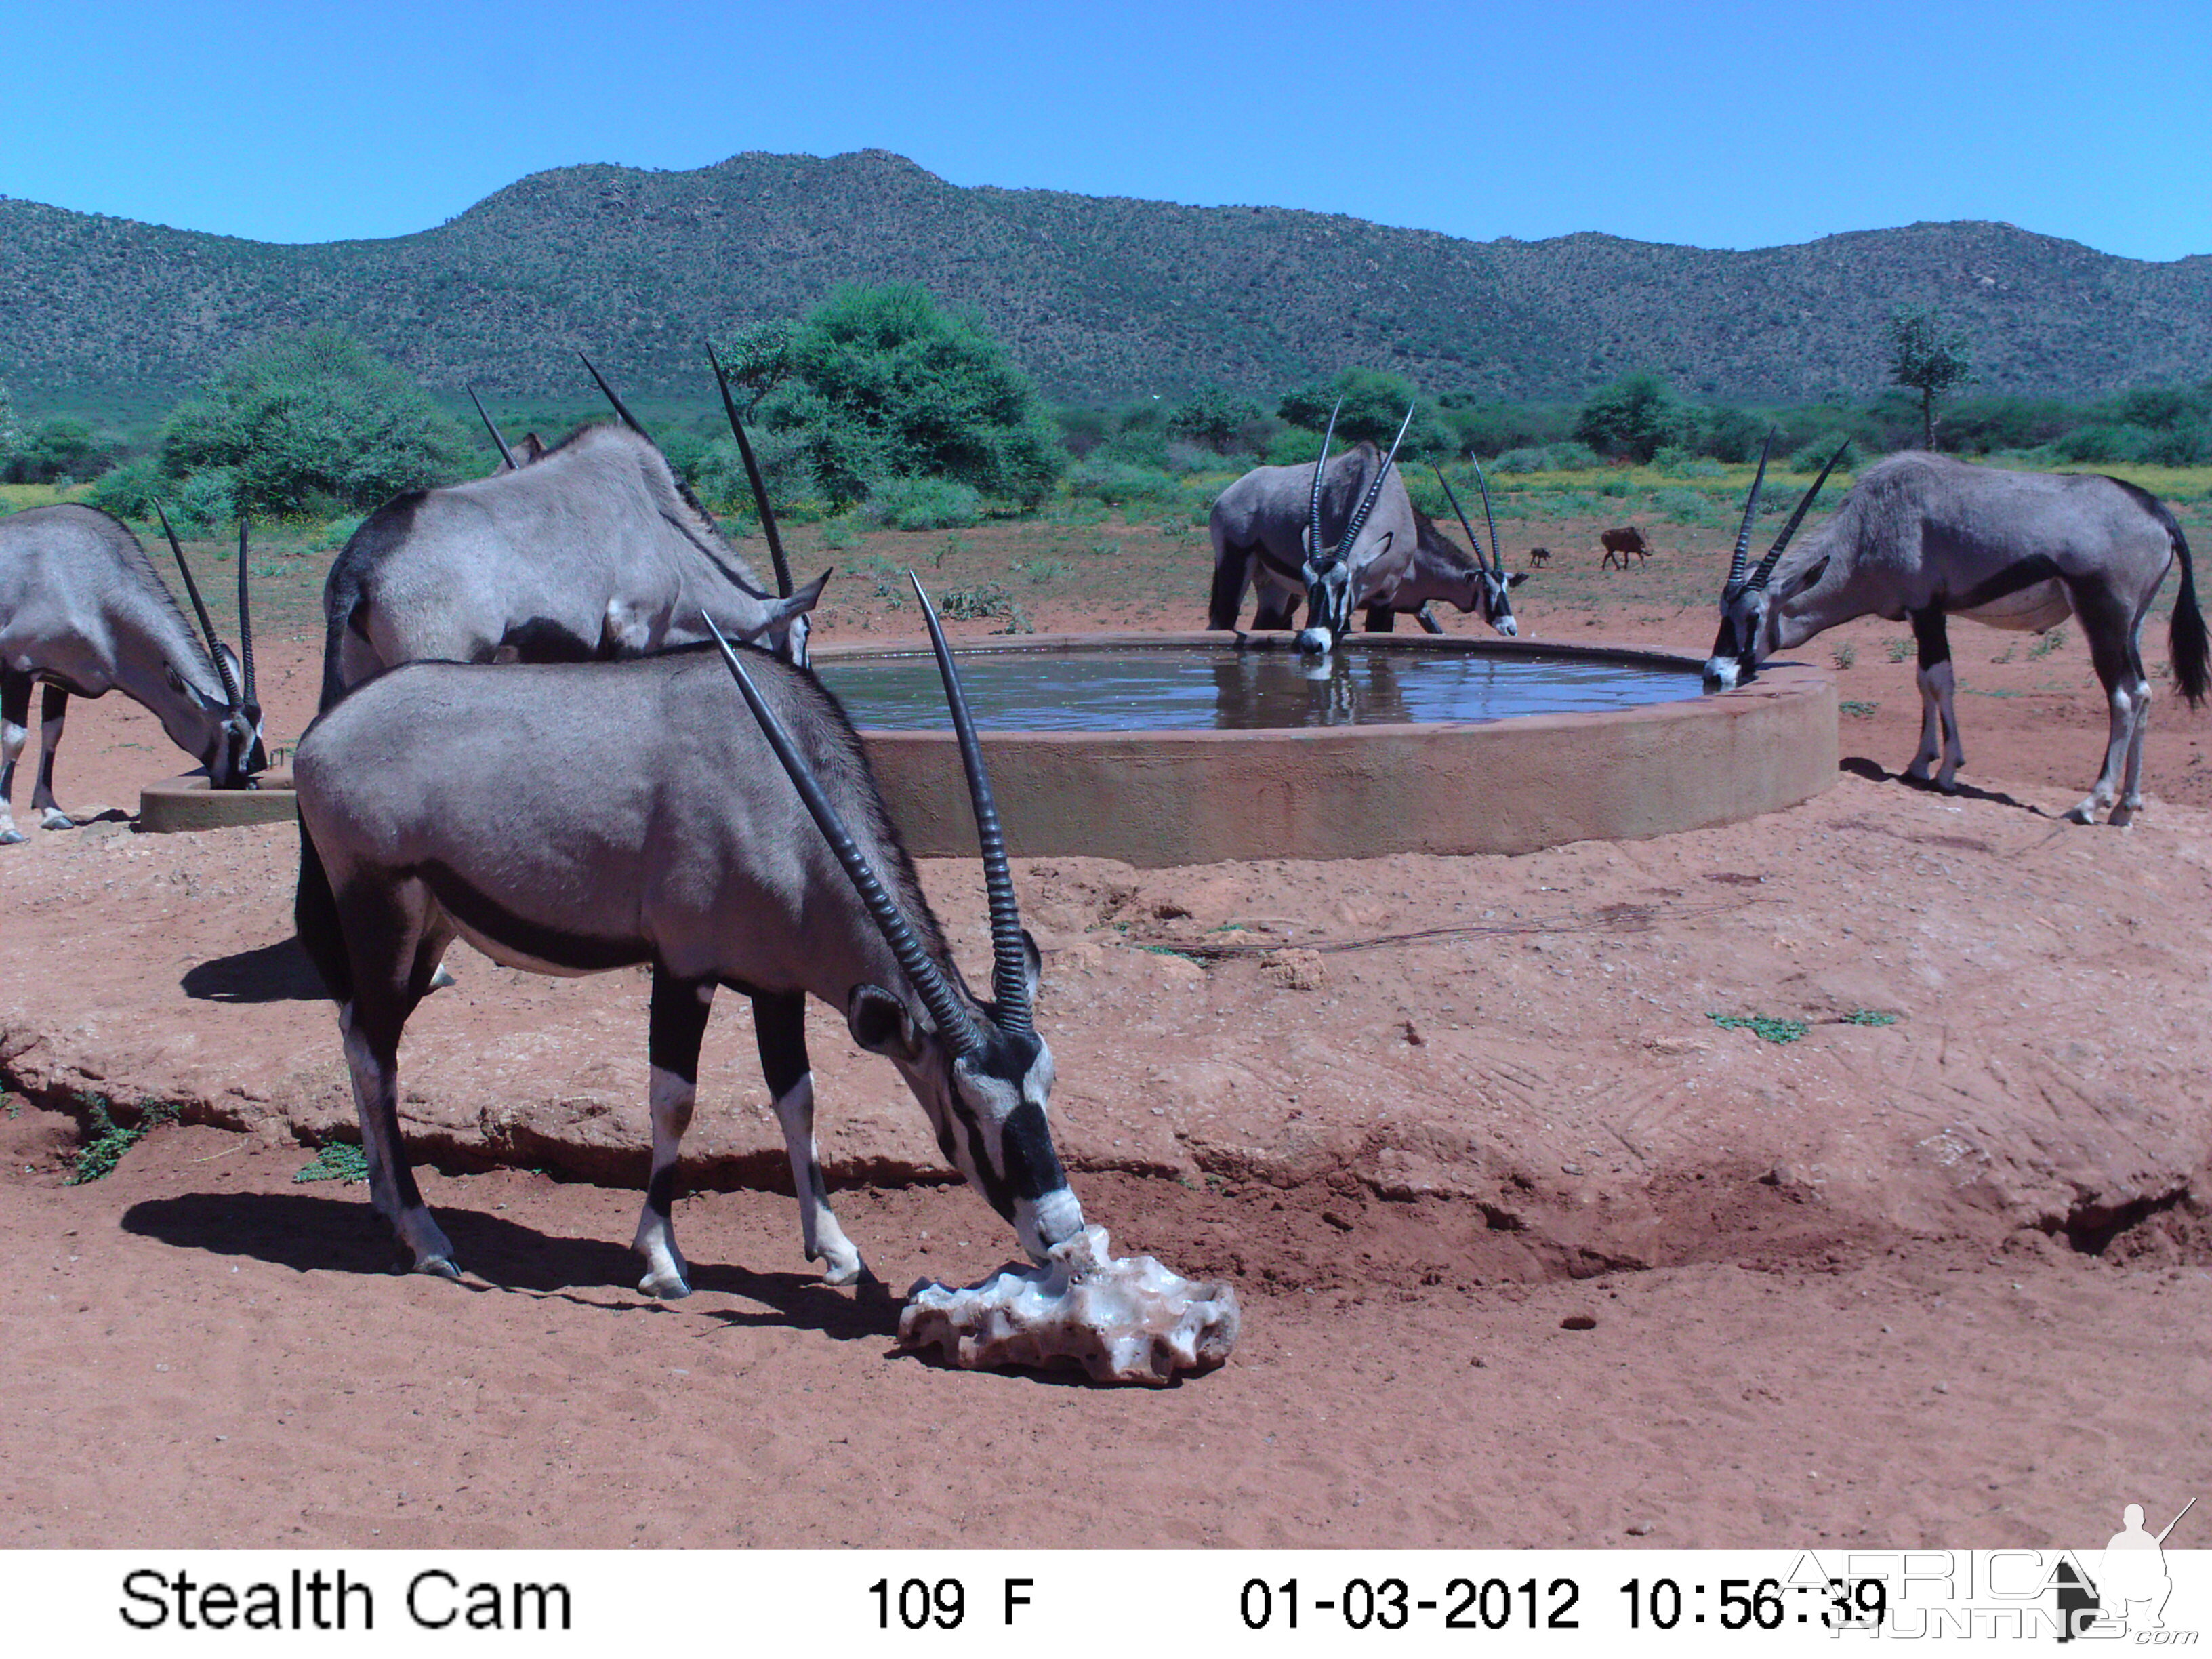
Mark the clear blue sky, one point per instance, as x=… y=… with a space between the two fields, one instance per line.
x=1723 y=127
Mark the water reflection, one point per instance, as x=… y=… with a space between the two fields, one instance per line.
x=1187 y=688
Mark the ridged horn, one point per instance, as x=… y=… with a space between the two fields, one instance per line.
x=200 y=610
x=1759 y=577
x=245 y=622
x=954 y=1025
x=621 y=409
x=1497 y=553
x=1314 y=548
x=753 y=474
x=1743 y=559
x=1463 y=524
x=1375 y=490
x=504 y=453
x=1010 y=981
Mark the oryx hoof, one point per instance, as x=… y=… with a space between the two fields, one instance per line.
x=440 y=981
x=55 y=818
x=12 y=836
x=844 y=1273
x=2123 y=814
x=1947 y=783
x=2082 y=812
x=439 y=1267
x=665 y=1286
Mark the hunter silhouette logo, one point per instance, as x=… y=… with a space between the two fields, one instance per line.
x=2131 y=1585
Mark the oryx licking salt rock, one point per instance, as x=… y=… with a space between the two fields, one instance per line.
x=591 y=550
x=1924 y=538
x=723 y=850
x=83 y=611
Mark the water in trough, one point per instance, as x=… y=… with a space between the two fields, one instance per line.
x=1223 y=688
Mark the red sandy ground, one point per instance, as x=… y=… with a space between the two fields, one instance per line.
x=199 y=1352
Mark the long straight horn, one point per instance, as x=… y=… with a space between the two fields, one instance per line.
x=954 y=1025
x=200 y=610
x=1375 y=490
x=1314 y=550
x=490 y=426
x=1462 y=510
x=628 y=419
x=245 y=619
x=753 y=474
x=1009 y=975
x=1497 y=553
x=1766 y=565
x=1743 y=559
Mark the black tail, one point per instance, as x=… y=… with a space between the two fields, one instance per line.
x=315 y=918
x=1231 y=573
x=2186 y=636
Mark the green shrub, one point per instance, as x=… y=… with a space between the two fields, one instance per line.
x=1213 y=417
x=1684 y=506
x=1636 y=416
x=311 y=422
x=130 y=490
x=1812 y=457
x=63 y=449
x=889 y=384
x=1119 y=484
x=923 y=504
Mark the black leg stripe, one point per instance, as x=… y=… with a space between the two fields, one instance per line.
x=661 y=1192
x=780 y=1029
x=676 y=1024
x=1934 y=641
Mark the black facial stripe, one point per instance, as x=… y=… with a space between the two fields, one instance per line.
x=675 y=1025
x=2025 y=574
x=485 y=916
x=1032 y=1162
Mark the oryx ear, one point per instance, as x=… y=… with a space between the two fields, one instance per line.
x=1517 y=579
x=1032 y=965
x=806 y=598
x=880 y=1024
x=1811 y=578
x=230 y=657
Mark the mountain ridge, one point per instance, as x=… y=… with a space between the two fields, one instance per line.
x=1097 y=297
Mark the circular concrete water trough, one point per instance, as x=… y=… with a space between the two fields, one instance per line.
x=1156 y=797
x=187 y=803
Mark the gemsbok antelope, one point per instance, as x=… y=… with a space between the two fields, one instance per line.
x=1924 y=537
x=83 y=611
x=441 y=799
x=591 y=550
x=1399 y=561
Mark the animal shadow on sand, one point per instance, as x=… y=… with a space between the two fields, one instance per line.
x=272 y=973
x=309 y=1234
x=1860 y=767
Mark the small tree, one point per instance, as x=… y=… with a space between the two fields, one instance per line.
x=1212 y=418
x=312 y=423
x=1636 y=416
x=1374 y=402
x=758 y=360
x=1927 y=357
x=890 y=385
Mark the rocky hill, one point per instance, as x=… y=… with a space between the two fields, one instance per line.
x=1099 y=297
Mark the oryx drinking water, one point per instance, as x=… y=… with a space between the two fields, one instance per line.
x=1925 y=538
x=751 y=853
x=1260 y=534
x=82 y=610
x=591 y=550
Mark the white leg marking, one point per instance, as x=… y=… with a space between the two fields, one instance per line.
x=2131 y=790
x=12 y=738
x=824 y=1239
x=1931 y=727
x=667 y=1273
x=2125 y=701
x=1954 y=753
x=51 y=816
